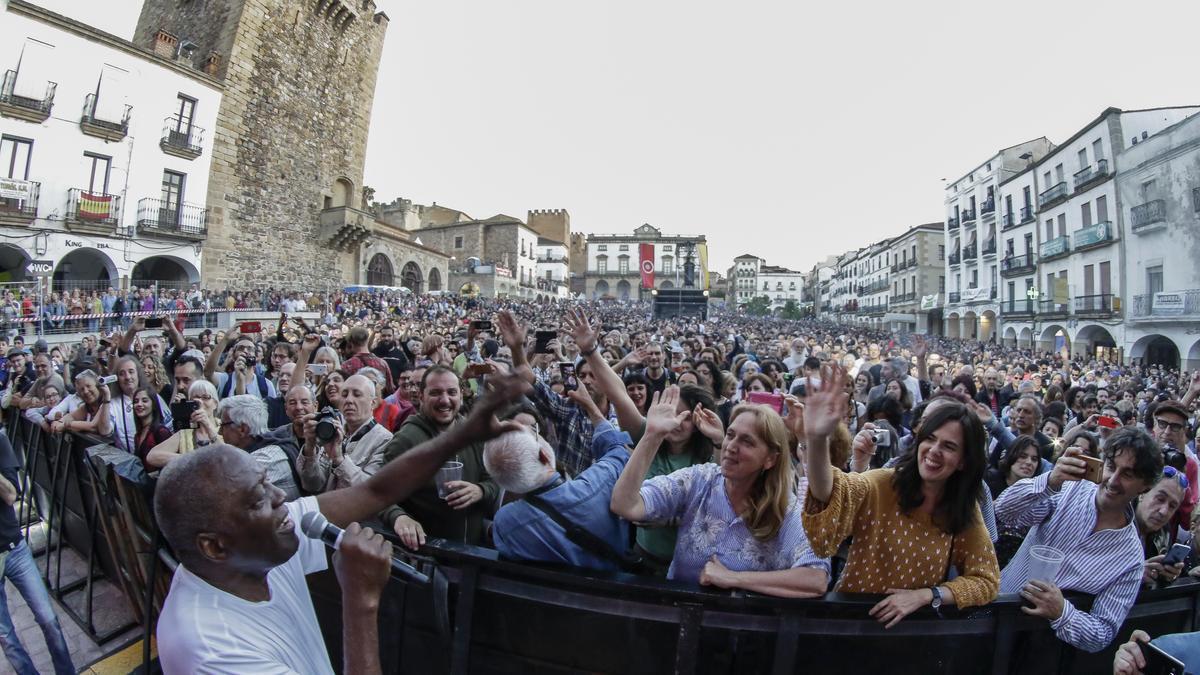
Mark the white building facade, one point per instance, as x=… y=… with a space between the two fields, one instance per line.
x=553 y=274
x=613 y=262
x=782 y=285
x=104 y=156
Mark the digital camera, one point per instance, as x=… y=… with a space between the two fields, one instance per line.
x=326 y=424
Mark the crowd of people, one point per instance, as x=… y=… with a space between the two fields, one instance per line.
x=787 y=458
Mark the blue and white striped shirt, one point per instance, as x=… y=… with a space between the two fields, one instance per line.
x=1106 y=564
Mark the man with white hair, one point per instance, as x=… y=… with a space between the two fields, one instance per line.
x=536 y=527
x=244 y=425
x=355 y=452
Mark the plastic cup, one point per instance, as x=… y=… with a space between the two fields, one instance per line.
x=1044 y=563
x=450 y=471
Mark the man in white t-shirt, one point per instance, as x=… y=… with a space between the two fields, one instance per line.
x=238 y=602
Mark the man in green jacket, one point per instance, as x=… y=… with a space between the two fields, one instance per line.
x=458 y=517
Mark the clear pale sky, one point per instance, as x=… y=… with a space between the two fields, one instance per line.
x=788 y=130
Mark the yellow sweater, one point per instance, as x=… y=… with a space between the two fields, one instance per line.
x=895 y=550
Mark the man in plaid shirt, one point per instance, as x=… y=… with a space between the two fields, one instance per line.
x=571 y=423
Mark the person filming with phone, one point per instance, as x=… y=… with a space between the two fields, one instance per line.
x=1083 y=537
x=239 y=374
x=1154 y=515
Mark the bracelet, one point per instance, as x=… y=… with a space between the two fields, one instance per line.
x=589 y=352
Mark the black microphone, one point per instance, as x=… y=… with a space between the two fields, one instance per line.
x=315 y=526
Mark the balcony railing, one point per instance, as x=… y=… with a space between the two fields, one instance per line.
x=1053 y=195
x=180 y=220
x=1196 y=199
x=25 y=104
x=1017 y=308
x=98 y=209
x=1094 y=305
x=989 y=247
x=1055 y=247
x=1168 y=305
x=903 y=298
x=955 y=258
x=1007 y=220
x=966 y=215
x=988 y=207
x=1052 y=308
x=181 y=138
x=1093 y=235
x=22 y=207
x=1089 y=175
x=1026 y=214
x=970 y=252
x=1145 y=215
x=952 y=224
x=1017 y=264
x=111 y=130
x=955 y=297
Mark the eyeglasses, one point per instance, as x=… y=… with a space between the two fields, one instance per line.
x=1173 y=427
x=1171 y=472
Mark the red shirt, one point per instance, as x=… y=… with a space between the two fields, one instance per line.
x=369 y=360
x=391 y=416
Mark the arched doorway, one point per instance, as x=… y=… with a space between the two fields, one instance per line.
x=1055 y=339
x=1155 y=350
x=13 y=262
x=84 y=268
x=1193 y=357
x=1010 y=337
x=953 y=326
x=435 y=279
x=970 y=326
x=165 y=271
x=411 y=277
x=379 y=271
x=343 y=193
x=1025 y=338
x=987 y=326
x=601 y=289
x=623 y=289
x=1096 y=341
x=667 y=284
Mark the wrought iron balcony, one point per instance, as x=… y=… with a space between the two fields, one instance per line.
x=1053 y=195
x=1087 y=176
x=1094 y=305
x=1050 y=309
x=988 y=207
x=1167 y=306
x=955 y=258
x=181 y=138
x=1092 y=236
x=1007 y=220
x=185 y=221
x=1059 y=246
x=989 y=247
x=952 y=224
x=25 y=105
x=21 y=208
x=970 y=251
x=955 y=297
x=1026 y=214
x=1014 y=265
x=109 y=130
x=1017 y=308
x=967 y=215
x=97 y=212
x=1150 y=213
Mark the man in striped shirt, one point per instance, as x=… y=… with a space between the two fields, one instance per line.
x=1093 y=525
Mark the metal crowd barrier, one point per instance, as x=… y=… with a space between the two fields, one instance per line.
x=482 y=614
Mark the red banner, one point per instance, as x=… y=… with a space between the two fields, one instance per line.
x=94 y=207
x=646 y=256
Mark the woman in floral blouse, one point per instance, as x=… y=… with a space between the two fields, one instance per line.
x=739 y=521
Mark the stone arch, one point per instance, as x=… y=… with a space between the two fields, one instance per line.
x=343 y=193
x=1193 y=357
x=1157 y=350
x=1055 y=339
x=667 y=284
x=13 y=263
x=435 y=279
x=411 y=277
x=987 y=325
x=86 y=267
x=379 y=271
x=1025 y=338
x=623 y=289
x=971 y=326
x=953 y=326
x=1010 y=336
x=601 y=289
x=175 y=272
x=1091 y=337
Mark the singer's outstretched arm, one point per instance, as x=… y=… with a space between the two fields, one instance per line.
x=397 y=479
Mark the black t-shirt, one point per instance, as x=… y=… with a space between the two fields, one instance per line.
x=9 y=531
x=659 y=385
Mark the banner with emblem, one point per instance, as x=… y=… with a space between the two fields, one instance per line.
x=646 y=258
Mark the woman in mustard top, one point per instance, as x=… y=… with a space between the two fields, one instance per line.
x=910 y=524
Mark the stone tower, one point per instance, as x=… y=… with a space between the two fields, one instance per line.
x=551 y=223
x=285 y=196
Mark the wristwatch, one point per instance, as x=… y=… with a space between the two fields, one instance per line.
x=937 y=600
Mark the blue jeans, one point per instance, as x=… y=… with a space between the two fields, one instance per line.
x=20 y=569
x=1183 y=646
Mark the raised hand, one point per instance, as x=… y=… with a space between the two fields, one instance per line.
x=661 y=418
x=582 y=331
x=583 y=398
x=825 y=405
x=482 y=424
x=511 y=332
x=919 y=347
x=708 y=423
x=795 y=416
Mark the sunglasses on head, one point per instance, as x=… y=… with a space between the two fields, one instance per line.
x=1171 y=472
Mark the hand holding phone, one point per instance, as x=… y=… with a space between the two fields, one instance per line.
x=1159 y=662
x=250 y=327
x=767 y=398
x=1177 y=554
x=1095 y=468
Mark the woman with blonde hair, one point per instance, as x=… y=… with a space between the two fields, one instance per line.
x=739 y=521
x=202 y=428
x=156 y=376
